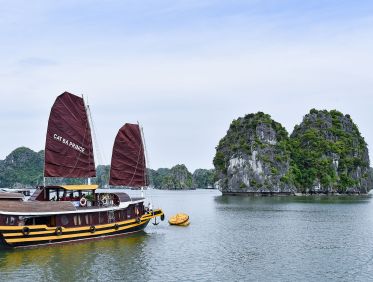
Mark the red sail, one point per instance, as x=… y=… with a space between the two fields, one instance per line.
x=128 y=160
x=68 y=146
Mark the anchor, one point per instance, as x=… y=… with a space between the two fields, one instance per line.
x=155 y=220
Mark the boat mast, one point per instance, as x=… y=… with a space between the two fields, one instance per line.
x=44 y=178
x=146 y=175
x=86 y=106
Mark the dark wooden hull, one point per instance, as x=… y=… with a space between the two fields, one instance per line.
x=15 y=237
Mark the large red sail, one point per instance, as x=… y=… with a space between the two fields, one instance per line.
x=68 y=146
x=128 y=160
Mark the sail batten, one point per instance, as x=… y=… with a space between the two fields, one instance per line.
x=128 y=166
x=68 y=146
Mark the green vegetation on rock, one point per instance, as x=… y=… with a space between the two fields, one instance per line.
x=329 y=154
x=325 y=153
x=178 y=177
x=254 y=156
x=204 y=178
x=22 y=167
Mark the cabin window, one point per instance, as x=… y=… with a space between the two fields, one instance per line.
x=21 y=220
x=130 y=211
x=30 y=221
x=124 y=214
x=53 y=221
x=86 y=219
x=10 y=220
x=75 y=220
x=64 y=220
x=42 y=220
x=52 y=195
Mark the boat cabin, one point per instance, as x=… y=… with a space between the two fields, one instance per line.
x=10 y=196
x=81 y=196
x=71 y=206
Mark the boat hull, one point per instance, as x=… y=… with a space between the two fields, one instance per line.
x=38 y=235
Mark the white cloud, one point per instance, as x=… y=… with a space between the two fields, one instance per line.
x=186 y=83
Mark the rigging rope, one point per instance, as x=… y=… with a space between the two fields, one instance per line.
x=100 y=158
x=147 y=165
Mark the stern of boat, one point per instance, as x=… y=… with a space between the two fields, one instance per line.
x=154 y=214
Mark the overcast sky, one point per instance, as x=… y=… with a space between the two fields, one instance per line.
x=184 y=69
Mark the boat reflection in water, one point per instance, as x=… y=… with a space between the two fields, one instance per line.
x=91 y=259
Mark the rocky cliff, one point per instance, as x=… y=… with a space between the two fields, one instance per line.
x=329 y=154
x=254 y=156
x=178 y=178
x=203 y=178
x=22 y=167
x=325 y=154
x=102 y=175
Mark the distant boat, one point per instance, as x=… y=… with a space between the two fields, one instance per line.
x=64 y=213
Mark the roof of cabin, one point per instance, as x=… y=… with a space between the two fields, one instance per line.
x=123 y=197
x=35 y=206
x=10 y=195
x=75 y=187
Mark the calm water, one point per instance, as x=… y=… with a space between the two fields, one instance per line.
x=229 y=239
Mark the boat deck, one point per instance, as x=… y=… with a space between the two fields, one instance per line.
x=35 y=206
x=10 y=196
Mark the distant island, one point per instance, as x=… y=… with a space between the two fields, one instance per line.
x=325 y=153
x=24 y=168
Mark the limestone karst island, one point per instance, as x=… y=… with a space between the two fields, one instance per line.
x=325 y=153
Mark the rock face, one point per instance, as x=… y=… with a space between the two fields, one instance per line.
x=102 y=175
x=203 y=178
x=329 y=154
x=176 y=178
x=22 y=167
x=254 y=156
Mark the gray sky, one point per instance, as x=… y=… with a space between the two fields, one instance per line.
x=184 y=69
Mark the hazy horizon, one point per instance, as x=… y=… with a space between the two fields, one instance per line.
x=183 y=69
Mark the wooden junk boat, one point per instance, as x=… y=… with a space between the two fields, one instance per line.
x=56 y=214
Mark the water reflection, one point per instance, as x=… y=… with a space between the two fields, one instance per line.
x=230 y=239
x=97 y=260
x=317 y=199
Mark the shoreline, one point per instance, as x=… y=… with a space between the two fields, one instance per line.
x=282 y=194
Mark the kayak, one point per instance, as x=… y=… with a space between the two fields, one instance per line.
x=180 y=219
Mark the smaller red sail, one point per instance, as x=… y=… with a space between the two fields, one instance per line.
x=128 y=166
x=68 y=146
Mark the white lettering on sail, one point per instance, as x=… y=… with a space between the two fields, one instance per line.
x=68 y=143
